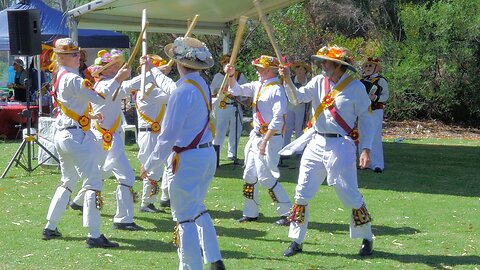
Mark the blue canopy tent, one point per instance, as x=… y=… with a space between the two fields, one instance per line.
x=53 y=26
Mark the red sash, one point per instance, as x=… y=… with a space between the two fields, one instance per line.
x=196 y=140
x=352 y=132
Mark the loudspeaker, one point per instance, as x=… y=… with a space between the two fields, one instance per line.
x=24 y=32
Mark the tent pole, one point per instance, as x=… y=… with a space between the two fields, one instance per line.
x=39 y=84
x=226 y=41
x=73 y=27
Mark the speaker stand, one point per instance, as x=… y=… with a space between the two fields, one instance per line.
x=28 y=142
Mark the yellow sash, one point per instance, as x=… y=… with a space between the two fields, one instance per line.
x=261 y=90
x=329 y=99
x=263 y=125
x=154 y=124
x=83 y=120
x=107 y=135
x=209 y=108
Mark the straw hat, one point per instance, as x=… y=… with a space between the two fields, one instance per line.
x=65 y=45
x=266 y=61
x=335 y=54
x=190 y=52
x=303 y=64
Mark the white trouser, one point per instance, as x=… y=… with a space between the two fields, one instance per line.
x=264 y=169
x=78 y=156
x=116 y=161
x=225 y=121
x=188 y=190
x=376 y=154
x=146 y=143
x=332 y=159
x=295 y=118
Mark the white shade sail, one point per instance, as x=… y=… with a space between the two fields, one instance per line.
x=169 y=16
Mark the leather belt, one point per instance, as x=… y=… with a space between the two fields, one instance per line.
x=329 y=135
x=145 y=129
x=260 y=135
x=72 y=127
x=204 y=145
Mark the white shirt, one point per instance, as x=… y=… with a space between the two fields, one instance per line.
x=184 y=119
x=151 y=104
x=272 y=102
x=218 y=79
x=73 y=96
x=351 y=103
x=110 y=109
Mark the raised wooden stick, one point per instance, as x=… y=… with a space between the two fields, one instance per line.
x=144 y=52
x=132 y=56
x=187 y=34
x=236 y=47
x=289 y=87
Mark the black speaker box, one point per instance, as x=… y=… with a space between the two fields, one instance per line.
x=24 y=32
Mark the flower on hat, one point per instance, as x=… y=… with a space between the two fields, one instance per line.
x=183 y=51
x=158 y=61
x=336 y=52
x=266 y=61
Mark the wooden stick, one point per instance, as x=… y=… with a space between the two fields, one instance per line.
x=289 y=87
x=236 y=47
x=144 y=52
x=132 y=56
x=187 y=34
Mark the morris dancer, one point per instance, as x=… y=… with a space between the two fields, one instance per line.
x=296 y=114
x=113 y=156
x=225 y=117
x=188 y=131
x=261 y=151
x=377 y=89
x=151 y=109
x=330 y=154
x=76 y=146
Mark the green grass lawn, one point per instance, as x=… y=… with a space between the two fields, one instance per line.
x=425 y=205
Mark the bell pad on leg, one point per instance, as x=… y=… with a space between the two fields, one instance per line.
x=361 y=216
x=248 y=190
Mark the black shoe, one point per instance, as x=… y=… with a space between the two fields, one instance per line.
x=247 y=219
x=293 y=249
x=100 y=242
x=50 y=234
x=218 y=265
x=77 y=207
x=377 y=170
x=126 y=226
x=366 y=249
x=149 y=209
x=283 y=221
x=165 y=204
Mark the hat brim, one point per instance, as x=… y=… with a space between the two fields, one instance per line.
x=65 y=51
x=321 y=57
x=109 y=64
x=305 y=66
x=258 y=65
x=193 y=64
